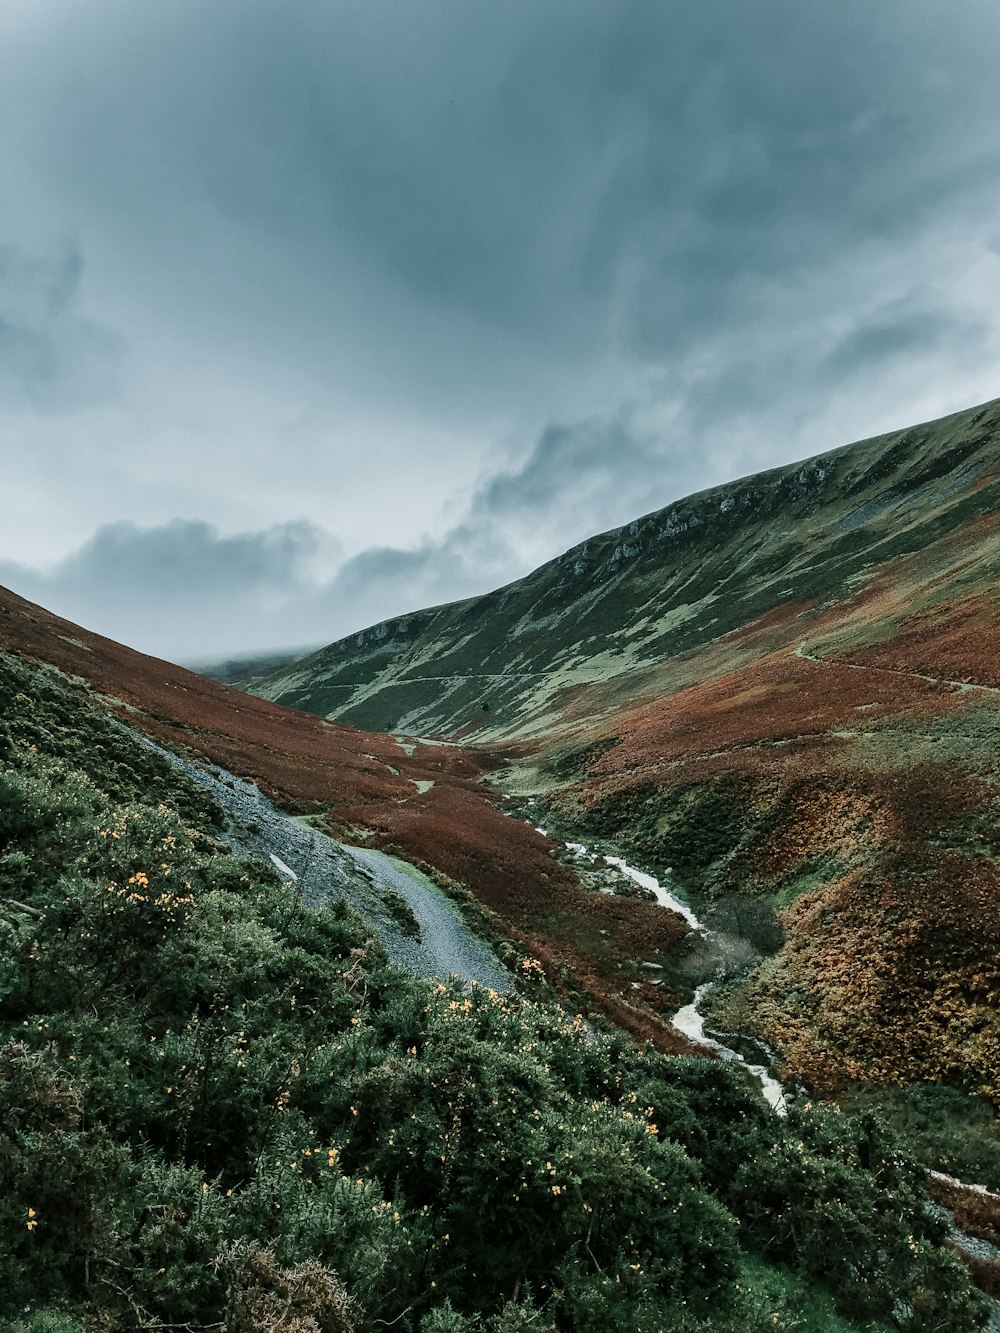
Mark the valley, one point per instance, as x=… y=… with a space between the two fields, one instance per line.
x=724 y=781
x=786 y=690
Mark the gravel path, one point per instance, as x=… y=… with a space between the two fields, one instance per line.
x=446 y=944
x=320 y=868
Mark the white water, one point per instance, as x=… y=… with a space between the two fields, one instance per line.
x=689 y=1021
x=692 y=1024
x=663 y=896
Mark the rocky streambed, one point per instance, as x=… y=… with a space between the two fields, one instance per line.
x=689 y=1019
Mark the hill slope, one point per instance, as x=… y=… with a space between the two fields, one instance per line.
x=221 y=1109
x=519 y=660
x=423 y=801
x=787 y=690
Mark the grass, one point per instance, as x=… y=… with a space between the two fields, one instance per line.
x=944 y=1128
x=401 y=912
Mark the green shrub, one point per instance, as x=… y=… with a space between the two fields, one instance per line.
x=216 y=1105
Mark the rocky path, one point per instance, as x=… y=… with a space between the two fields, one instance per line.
x=806 y=656
x=319 y=869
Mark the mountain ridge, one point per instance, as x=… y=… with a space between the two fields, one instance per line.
x=629 y=597
x=795 y=708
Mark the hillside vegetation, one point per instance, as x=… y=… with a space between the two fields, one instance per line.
x=420 y=800
x=785 y=690
x=594 y=628
x=219 y=1109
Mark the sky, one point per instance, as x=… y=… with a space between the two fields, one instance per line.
x=315 y=314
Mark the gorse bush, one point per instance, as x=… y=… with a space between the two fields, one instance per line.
x=220 y=1109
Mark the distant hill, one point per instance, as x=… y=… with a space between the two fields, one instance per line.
x=523 y=659
x=246 y=671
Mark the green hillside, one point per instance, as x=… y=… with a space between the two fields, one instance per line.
x=515 y=661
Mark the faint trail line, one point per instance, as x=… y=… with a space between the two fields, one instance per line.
x=800 y=652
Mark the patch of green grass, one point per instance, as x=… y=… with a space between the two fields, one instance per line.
x=944 y=1128
x=401 y=912
x=777 y=1299
x=570 y=763
x=810 y=876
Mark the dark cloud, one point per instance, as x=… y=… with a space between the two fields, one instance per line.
x=461 y=284
x=51 y=358
x=169 y=560
x=183 y=589
x=904 y=328
x=539 y=170
x=576 y=479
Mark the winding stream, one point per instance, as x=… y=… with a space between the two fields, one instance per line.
x=689 y=1020
x=691 y=1023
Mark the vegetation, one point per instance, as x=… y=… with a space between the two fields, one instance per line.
x=600 y=626
x=221 y=1110
x=945 y=1128
x=401 y=912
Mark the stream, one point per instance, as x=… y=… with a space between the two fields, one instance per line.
x=688 y=1020
x=318 y=868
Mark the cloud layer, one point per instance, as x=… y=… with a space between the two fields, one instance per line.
x=443 y=289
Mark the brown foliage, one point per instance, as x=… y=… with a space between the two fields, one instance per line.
x=985 y=1273
x=264 y=1298
x=976 y=1213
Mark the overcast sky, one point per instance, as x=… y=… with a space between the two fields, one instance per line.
x=315 y=313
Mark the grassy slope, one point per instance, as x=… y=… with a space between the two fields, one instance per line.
x=613 y=609
x=373 y=789
x=218 y=1109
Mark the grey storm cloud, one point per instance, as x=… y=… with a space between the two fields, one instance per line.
x=566 y=463
x=207 y=588
x=604 y=470
x=51 y=358
x=903 y=328
x=556 y=172
x=184 y=554
x=449 y=287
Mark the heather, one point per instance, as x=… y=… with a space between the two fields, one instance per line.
x=220 y=1109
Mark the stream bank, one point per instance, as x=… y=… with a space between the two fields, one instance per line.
x=689 y=1020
